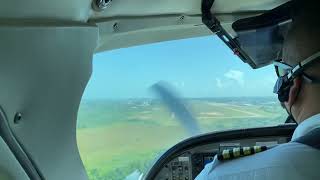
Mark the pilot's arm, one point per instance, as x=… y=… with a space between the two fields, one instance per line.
x=206 y=171
x=228 y=155
x=292 y=161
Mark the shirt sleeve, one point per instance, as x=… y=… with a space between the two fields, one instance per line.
x=208 y=169
x=204 y=173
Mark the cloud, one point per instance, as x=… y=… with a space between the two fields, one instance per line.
x=180 y=84
x=235 y=75
x=219 y=83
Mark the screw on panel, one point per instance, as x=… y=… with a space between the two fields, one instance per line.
x=115 y=27
x=181 y=19
x=100 y=5
x=17 y=118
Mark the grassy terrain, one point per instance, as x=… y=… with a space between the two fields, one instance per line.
x=117 y=137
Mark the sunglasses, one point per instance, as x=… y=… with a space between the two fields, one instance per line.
x=287 y=73
x=281 y=68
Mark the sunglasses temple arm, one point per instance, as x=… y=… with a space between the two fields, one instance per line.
x=311 y=80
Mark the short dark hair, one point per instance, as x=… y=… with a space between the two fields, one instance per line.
x=306 y=9
x=303 y=34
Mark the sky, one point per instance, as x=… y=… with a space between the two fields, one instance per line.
x=197 y=67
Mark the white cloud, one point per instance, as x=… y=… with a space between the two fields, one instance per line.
x=219 y=83
x=180 y=84
x=235 y=75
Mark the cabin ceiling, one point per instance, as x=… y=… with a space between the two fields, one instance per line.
x=125 y=23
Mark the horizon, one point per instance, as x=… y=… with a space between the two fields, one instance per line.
x=192 y=98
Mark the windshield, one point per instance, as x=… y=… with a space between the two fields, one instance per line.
x=123 y=126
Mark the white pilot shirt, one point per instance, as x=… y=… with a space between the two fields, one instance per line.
x=290 y=161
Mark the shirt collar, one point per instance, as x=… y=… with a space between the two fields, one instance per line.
x=306 y=126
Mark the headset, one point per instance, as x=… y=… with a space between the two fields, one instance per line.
x=286 y=74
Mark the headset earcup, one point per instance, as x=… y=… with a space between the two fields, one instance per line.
x=283 y=96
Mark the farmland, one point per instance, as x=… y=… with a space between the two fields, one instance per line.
x=117 y=137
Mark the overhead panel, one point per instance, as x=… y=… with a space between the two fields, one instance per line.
x=125 y=23
x=231 y=6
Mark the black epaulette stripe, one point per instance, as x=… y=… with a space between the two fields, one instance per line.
x=231 y=153
x=241 y=152
x=252 y=150
x=264 y=148
x=220 y=157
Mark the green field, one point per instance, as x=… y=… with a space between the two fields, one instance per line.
x=117 y=137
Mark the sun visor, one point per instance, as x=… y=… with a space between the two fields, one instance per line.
x=263 y=45
x=261 y=38
x=257 y=40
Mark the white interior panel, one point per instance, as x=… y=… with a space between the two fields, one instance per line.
x=182 y=7
x=131 y=15
x=43 y=73
x=10 y=168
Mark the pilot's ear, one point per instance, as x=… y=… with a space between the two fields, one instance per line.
x=294 y=91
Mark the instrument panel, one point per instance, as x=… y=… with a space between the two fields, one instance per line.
x=190 y=162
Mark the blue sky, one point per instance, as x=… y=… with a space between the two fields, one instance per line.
x=197 y=67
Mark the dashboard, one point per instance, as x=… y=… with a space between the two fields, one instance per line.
x=187 y=159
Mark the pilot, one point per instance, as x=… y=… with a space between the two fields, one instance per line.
x=298 y=88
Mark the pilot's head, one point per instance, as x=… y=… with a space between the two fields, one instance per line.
x=301 y=42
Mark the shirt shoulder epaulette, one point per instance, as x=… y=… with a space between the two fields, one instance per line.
x=240 y=152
